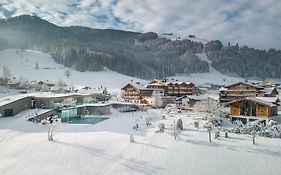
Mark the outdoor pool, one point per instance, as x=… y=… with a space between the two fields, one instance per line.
x=87 y=120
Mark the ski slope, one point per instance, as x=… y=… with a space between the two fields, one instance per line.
x=22 y=66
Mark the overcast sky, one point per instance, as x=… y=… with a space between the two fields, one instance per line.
x=255 y=23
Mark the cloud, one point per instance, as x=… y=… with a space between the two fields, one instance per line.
x=254 y=23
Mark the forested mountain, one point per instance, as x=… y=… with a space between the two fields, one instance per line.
x=143 y=55
x=135 y=54
x=244 y=61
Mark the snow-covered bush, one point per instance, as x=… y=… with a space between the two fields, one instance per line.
x=272 y=122
x=196 y=124
x=161 y=127
x=147 y=120
x=209 y=108
x=51 y=122
x=258 y=127
x=216 y=121
x=273 y=132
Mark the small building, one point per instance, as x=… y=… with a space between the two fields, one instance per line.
x=12 y=105
x=269 y=92
x=189 y=101
x=253 y=108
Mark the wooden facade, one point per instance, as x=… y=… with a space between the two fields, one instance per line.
x=252 y=107
x=174 y=88
x=238 y=91
x=180 y=89
x=132 y=94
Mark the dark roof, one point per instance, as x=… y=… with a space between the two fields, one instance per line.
x=249 y=84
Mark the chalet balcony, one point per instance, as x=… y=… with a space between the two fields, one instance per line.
x=238 y=95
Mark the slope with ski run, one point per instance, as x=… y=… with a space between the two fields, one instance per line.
x=22 y=65
x=104 y=148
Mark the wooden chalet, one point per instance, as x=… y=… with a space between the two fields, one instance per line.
x=180 y=89
x=173 y=88
x=145 y=95
x=132 y=93
x=238 y=91
x=253 y=107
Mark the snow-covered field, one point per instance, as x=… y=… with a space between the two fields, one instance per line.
x=23 y=65
x=104 y=148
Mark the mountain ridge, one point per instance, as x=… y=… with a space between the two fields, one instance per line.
x=143 y=55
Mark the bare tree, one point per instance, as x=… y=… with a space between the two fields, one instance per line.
x=6 y=73
x=161 y=127
x=51 y=122
x=209 y=127
x=60 y=85
x=37 y=65
x=67 y=73
x=209 y=108
x=132 y=138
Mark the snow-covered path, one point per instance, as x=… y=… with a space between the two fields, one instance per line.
x=104 y=148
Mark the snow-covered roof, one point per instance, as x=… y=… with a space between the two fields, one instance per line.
x=13 y=81
x=268 y=90
x=9 y=99
x=268 y=99
x=136 y=85
x=261 y=101
x=222 y=89
x=198 y=97
x=177 y=82
x=94 y=105
x=249 y=84
x=56 y=95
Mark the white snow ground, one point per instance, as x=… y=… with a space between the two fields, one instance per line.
x=22 y=65
x=104 y=148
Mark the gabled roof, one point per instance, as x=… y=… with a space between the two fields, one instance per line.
x=135 y=85
x=248 y=84
x=269 y=91
x=178 y=82
x=255 y=100
x=157 y=82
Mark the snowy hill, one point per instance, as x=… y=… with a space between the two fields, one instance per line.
x=22 y=65
x=213 y=76
x=176 y=36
